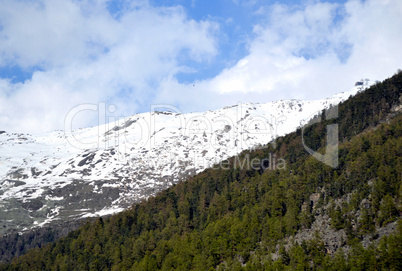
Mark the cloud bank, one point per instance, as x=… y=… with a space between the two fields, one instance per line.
x=82 y=52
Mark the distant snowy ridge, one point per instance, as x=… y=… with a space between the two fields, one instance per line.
x=104 y=169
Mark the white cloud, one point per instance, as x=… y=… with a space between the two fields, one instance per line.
x=42 y=33
x=89 y=57
x=302 y=52
x=310 y=53
x=132 y=59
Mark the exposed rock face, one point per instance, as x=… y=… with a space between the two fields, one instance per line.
x=322 y=227
x=314 y=198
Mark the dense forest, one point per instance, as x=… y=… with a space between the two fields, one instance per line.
x=17 y=244
x=248 y=218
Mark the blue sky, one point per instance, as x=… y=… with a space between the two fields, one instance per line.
x=194 y=55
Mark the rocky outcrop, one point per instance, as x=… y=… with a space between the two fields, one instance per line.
x=323 y=229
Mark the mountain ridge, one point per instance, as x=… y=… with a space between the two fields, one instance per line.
x=104 y=169
x=239 y=218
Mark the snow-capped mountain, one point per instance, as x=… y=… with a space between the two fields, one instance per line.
x=67 y=175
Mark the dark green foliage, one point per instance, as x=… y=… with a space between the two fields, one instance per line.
x=234 y=219
x=14 y=245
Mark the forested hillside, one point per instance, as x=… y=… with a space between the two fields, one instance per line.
x=236 y=217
